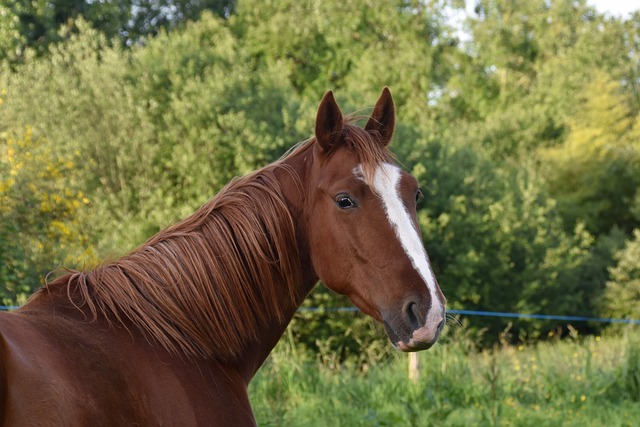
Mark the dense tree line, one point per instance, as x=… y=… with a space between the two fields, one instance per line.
x=118 y=118
x=31 y=26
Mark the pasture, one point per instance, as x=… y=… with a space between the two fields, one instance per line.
x=581 y=381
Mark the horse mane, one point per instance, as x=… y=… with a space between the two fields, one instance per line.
x=204 y=286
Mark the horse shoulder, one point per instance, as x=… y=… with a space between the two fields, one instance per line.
x=56 y=370
x=40 y=387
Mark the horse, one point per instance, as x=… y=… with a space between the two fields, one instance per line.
x=173 y=332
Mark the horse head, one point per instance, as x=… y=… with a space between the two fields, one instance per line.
x=363 y=232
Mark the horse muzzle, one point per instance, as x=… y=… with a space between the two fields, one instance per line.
x=409 y=333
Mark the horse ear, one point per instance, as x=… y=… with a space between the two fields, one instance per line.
x=383 y=118
x=328 y=122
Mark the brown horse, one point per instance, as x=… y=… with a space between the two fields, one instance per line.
x=172 y=333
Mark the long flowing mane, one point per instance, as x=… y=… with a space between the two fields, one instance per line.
x=203 y=286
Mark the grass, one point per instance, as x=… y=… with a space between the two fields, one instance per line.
x=590 y=381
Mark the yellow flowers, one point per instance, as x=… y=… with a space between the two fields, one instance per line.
x=576 y=399
x=33 y=172
x=60 y=228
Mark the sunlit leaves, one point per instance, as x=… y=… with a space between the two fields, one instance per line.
x=524 y=138
x=595 y=172
x=622 y=295
x=41 y=200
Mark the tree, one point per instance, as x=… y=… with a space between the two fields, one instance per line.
x=495 y=239
x=149 y=17
x=161 y=133
x=37 y=215
x=340 y=44
x=12 y=40
x=622 y=294
x=37 y=24
x=595 y=173
x=527 y=63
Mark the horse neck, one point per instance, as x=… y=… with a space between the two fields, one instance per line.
x=291 y=173
x=134 y=290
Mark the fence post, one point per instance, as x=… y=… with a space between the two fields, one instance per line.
x=414 y=367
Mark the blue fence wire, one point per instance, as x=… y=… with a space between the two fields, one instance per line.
x=497 y=314
x=464 y=313
x=544 y=317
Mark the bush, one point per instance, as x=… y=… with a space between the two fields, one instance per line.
x=38 y=215
x=622 y=293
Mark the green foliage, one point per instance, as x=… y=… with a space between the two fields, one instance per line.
x=337 y=337
x=573 y=383
x=145 y=121
x=495 y=240
x=355 y=46
x=37 y=24
x=594 y=174
x=76 y=97
x=150 y=16
x=622 y=294
x=11 y=39
x=38 y=214
x=528 y=62
x=524 y=137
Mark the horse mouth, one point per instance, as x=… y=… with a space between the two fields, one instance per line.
x=413 y=346
x=406 y=348
x=399 y=343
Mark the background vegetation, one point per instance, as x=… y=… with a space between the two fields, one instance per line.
x=120 y=117
x=581 y=382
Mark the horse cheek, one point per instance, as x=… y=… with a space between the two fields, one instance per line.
x=329 y=258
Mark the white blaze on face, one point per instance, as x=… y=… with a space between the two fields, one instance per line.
x=386 y=183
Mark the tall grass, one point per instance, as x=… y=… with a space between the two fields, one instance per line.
x=590 y=381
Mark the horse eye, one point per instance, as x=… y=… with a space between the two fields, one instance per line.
x=419 y=195
x=345 y=202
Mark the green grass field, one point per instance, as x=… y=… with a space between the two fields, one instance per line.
x=590 y=381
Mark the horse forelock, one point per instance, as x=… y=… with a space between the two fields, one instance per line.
x=204 y=286
x=368 y=150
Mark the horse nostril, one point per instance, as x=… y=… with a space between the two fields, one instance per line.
x=412 y=315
